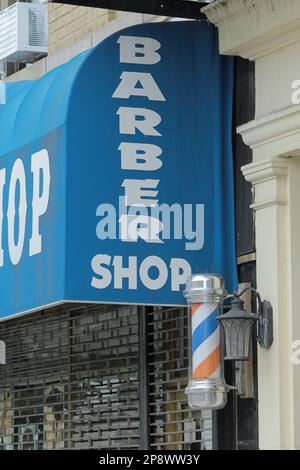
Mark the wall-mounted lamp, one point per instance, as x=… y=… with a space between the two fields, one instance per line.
x=205 y=293
x=238 y=324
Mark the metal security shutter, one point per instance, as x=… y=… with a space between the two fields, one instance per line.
x=172 y=425
x=71 y=379
x=105 y=345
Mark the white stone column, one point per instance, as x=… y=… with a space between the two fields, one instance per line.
x=268 y=32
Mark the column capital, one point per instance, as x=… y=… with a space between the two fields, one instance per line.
x=254 y=28
x=269 y=177
x=274 y=135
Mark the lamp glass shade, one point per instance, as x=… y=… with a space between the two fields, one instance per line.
x=237 y=326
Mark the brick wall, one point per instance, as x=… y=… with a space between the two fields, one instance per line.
x=67 y=23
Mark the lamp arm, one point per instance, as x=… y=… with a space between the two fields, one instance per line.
x=257 y=295
x=265 y=322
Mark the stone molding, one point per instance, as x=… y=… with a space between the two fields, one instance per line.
x=256 y=27
x=269 y=178
x=277 y=134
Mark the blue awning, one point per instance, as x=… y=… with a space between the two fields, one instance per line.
x=35 y=108
x=142 y=120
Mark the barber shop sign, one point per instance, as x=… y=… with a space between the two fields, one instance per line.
x=126 y=189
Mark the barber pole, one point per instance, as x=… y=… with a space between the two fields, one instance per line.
x=207 y=388
x=206 y=347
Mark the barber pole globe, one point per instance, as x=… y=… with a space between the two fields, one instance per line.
x=206 y=388
x=206 y=346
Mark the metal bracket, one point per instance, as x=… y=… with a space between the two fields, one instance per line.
x=265 y=321
x=265 y=325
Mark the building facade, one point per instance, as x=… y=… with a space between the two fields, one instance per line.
x=114 y=377
x=266 y=33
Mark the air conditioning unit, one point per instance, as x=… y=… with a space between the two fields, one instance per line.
x=23 y=32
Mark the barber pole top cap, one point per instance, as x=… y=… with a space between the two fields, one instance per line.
x=205 y=288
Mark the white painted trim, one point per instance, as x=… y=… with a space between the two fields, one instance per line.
x=269 y=32
x=89 y=302
x=255 y=28
x=277 y=134
x=262 y=171
x=33 y=310
x=126 y=303
x=269 y=178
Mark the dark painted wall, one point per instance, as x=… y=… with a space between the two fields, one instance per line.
x=244 y=109
x=237 y=423
x=176 y=8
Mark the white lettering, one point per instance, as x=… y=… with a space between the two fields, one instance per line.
x=139 y=50
x=39 y=166
x=153 y=272
x=141 y=119
x=105 y=275
x=138 y=84
x=136 y=156
x=157 y=263
x=181 y=270
x=17 y=176
x=2 y=183
x=122 y=272
x=138 y=192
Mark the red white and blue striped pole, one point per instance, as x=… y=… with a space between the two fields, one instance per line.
x=206 y=389
x=206 y=347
